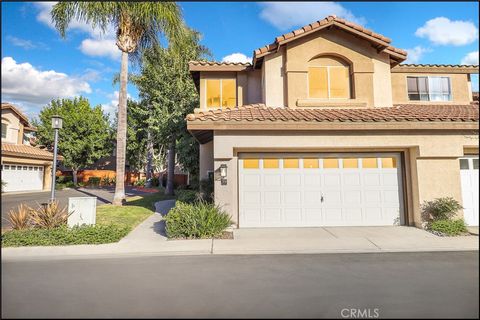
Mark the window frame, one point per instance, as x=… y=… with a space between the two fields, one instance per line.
x=428 y=93
x=349 y=89
x=221 y=92
x=4 y=133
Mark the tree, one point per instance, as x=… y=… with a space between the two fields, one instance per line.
x=85 y=136
x=137 y=25
x=167 y=88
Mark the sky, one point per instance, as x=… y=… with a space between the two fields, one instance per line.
x=38 y=65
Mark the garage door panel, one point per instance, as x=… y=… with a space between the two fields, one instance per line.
x=470 y=184
x=19 y=177
x=320 y=192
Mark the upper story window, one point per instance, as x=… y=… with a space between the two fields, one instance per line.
x=221 y=93
x=429 y=88
x=4 y=130
x=328 y=78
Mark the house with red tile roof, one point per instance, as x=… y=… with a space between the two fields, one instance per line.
x=25 y=166
x=328 y=127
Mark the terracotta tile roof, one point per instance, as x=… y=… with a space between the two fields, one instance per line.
x=438 y=65
x=22 y=150
x=321 y=24
x=259 y=112
x=215 y=63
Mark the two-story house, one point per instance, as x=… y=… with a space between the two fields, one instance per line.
x=326 y=127
x=24 y=167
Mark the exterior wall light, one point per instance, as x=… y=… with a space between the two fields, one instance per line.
x=223 y=174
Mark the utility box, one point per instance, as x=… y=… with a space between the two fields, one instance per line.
x=84 y=211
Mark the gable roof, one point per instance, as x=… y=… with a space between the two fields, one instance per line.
x=436 y=68
x=381 y=42
x=26 y=151
x=20 y=114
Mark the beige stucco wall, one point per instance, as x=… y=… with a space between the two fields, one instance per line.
x=254 y=87
x=274 y=79
x=368 y=68
x=47 y=170
x=206 y=159
x=460 y=86
x=431 y=164
x=14 y=127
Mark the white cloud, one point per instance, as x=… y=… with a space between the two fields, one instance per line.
x=286 y=15
x=99 y=43
x=470 y=58
x=237 y=57
x=111 y=107
x=443 y=31
x=415 y=54
x=26 y=44
x=23 y=82
x=100 y=48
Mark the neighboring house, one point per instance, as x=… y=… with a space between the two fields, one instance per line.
x=326 y=127
x=24 y=166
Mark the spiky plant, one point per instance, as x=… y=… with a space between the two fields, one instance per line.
x=138 y=26
x=19 y=219
x=49 y=216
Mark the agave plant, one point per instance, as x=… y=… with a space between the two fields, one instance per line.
x=49 y=215
x=19 y=219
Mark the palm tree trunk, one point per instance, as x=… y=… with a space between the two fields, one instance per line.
x=171 y=167
x=75 y=178
x=119 y=197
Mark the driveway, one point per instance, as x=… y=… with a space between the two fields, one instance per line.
x=104 y=196
x=392 y=285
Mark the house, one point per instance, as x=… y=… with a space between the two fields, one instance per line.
x=327 y=127
x=24 y=166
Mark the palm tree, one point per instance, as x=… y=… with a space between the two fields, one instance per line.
x=138 y=25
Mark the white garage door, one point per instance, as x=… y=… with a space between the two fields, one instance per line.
x=469 y=176
x=19 y=177
x=302 y=190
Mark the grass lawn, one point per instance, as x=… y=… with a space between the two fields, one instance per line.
x=113 y=223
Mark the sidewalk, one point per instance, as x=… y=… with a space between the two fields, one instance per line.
x=149 y=239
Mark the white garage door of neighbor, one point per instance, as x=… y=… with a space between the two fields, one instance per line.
x=19 y=177
x=320 y=190
x=469 y=177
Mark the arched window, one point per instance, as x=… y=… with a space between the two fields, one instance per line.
x=329 y=78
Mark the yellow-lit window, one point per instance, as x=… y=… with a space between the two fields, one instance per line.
x=290 y=163
x=339 y=87
x=389 y=162
x=250 y=164
x=213 y=93
x=310 y=163
x=330 y=82
x=270 y=163
x=318 y=82
x=221 y=93
x=369 y=163
x=330 y=163
x=229 y=95
x=350 y=163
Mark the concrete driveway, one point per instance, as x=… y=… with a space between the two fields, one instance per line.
x=104 y=196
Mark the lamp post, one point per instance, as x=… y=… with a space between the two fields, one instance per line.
x=56 y=124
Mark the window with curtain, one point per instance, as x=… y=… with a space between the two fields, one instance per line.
x=329 y=82
x=429 y=89
x=221 y=93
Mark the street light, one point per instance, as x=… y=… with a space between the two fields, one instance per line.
x=57 y=122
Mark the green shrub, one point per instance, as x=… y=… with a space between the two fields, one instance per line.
x=187 y=196
x=64 y=236
x=449 y=227
x=440 y=209
x=64 y=179
x=94 y=181
x=200 y=220
x=140 y=183
x=155 y=182
x=106 y=181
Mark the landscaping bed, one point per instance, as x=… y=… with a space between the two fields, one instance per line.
x=113 y=223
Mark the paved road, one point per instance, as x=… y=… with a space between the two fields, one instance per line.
x=10 y=201
x=443 y=285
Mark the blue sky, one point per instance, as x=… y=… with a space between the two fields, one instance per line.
x=37 y=65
